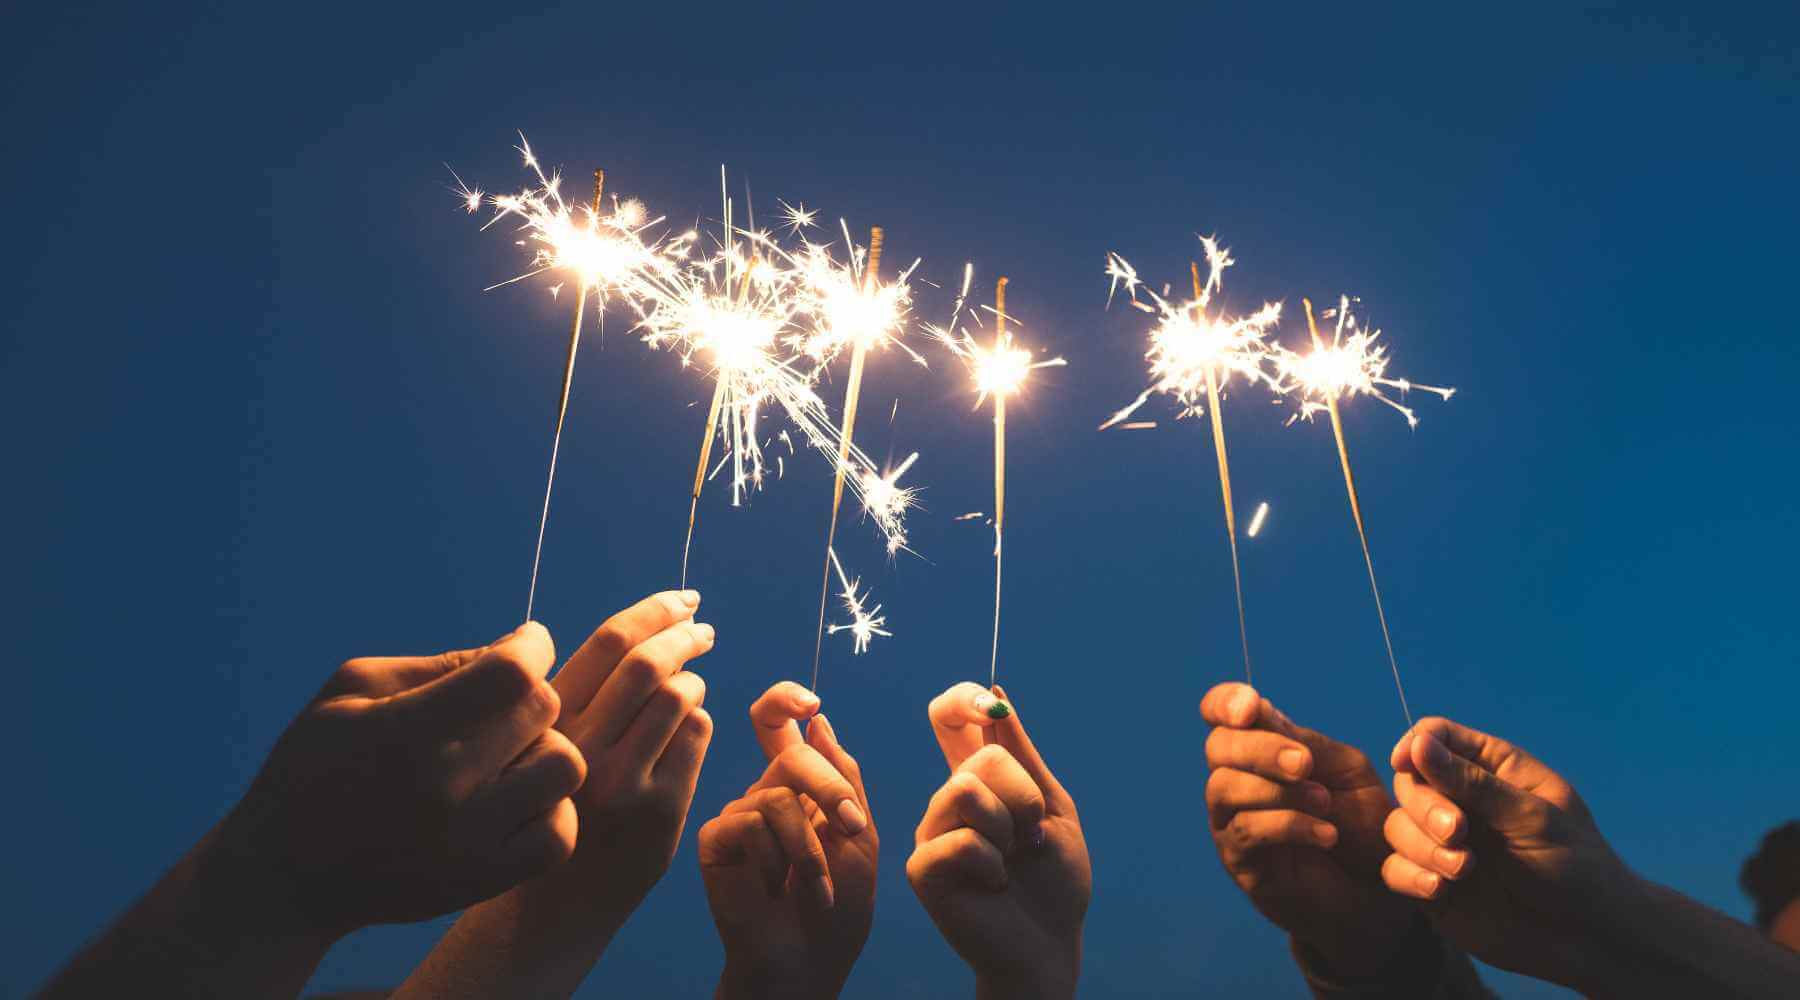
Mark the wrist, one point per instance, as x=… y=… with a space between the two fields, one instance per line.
x=1046 y=981
x=230 y=898
x=1403 y=960
x=741 y=979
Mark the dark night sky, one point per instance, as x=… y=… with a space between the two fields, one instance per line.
x=262 y=417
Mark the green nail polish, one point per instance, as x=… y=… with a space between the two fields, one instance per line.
x=999 y=710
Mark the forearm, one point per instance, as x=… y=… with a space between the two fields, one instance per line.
x=519 y=944
x=1419 y=964
x=1050 y=981
x=1660 y=942
x=209 y=928
x=737 y=982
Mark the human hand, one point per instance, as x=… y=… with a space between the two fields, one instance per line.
x=790 y=867
x=1297 y=820
x=999 y=860
x=1502 y=847
x=411 y=786
x=635 y=715
x=634 y=712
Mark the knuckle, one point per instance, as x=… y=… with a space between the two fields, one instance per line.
x=512 y=673
x=641 y=669
x=568 y=768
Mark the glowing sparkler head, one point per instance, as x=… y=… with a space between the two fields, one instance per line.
x=604 y=252
x=1001 y=369
x=737 y=340
x=1189 y=344
x=1351 y=363
x=850 y=307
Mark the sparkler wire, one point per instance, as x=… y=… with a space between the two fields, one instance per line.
x=999 y=476
x=1218 y=432
x=562 y=412
x=1337 y=429
x=852 y=395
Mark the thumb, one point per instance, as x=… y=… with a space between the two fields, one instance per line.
x=1467 y=783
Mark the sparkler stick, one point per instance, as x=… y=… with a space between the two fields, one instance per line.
x=1218 y=433
x=852 y=394
x=1337 y=430
x=999 y=474
x=712 y=423
x=1190 y=354
x=562 y=411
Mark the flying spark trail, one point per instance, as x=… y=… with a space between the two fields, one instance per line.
x=1351 y=364
x=864 y=624
x=1193 y=353
x=853 y=309
x=604 y=253
x=1000 y=370
x=1256 y=520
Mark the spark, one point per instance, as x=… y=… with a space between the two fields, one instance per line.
x=1000 y=369
x=885 y=500
x=970 y=516
x=797 y=217
x=1256 y=520
x=864 y=624
x=1352 y=363
x=1193 y=355
x=604 y=253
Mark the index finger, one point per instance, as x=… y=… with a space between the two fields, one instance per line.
x=580 y=678
x=958 y=717
x=1009 y=732
x=503 y=675
x=776 y=716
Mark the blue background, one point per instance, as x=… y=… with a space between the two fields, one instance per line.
x=260 y=416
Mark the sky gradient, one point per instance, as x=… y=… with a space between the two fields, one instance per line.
x=263 y=418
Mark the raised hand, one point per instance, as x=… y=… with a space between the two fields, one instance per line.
x=635 y=715
x=1516 y=872
x=1507 y=889
x=790 y=867
x=999 y=860
x=409 y=787
x=1297 y=819
x=413 y=786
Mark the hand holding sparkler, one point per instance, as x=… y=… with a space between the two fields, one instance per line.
x=634 y=711
x=411 y=786
x=1297 y=819
x=790 y=867
x=999 y=860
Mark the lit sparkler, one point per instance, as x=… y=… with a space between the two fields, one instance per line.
x=603 y=253
x=854 y=310
x=864 y=624
x=1191 y=355
x=1351 y=364
x=999 y=369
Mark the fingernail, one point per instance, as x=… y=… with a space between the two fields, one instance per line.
x=1443 y=823
x=691 y=598
x=702 y=632
x=822 y=888
x=1326 y=833
x=991 y=706
x=1000 y=692
x=1243 y=705
x=806 y=701
x=1318 y=798
x=852 y=817
x=1427 y=882
x=1449 y=861
x=1292 y=760
x=1435 y=754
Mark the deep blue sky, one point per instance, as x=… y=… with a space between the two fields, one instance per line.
x=261 y=416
